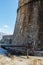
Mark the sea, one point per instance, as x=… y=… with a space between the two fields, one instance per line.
x=3 y=51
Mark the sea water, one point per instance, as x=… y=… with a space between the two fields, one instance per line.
x=3 y=51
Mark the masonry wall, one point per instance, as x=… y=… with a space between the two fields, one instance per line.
x=29 y=22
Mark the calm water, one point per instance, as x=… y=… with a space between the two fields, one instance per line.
x=2 y=51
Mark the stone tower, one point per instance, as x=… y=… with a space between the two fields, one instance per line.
x=29 y=22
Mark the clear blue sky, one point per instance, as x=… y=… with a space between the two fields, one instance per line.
x=8 y=12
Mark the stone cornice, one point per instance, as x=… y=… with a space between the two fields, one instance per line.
x=25 y=3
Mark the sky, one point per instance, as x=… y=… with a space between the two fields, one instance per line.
x=8 y=14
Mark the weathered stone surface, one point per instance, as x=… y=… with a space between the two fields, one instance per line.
x=21 y=60
x=29 y=23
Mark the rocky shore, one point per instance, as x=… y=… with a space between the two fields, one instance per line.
x=21 y=60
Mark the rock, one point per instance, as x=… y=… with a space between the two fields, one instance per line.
x=22 y=60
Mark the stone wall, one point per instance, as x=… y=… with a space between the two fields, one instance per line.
x=7 y=39
x=40 y=22
x=29 y=23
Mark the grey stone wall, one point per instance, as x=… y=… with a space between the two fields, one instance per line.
x=29 y=22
